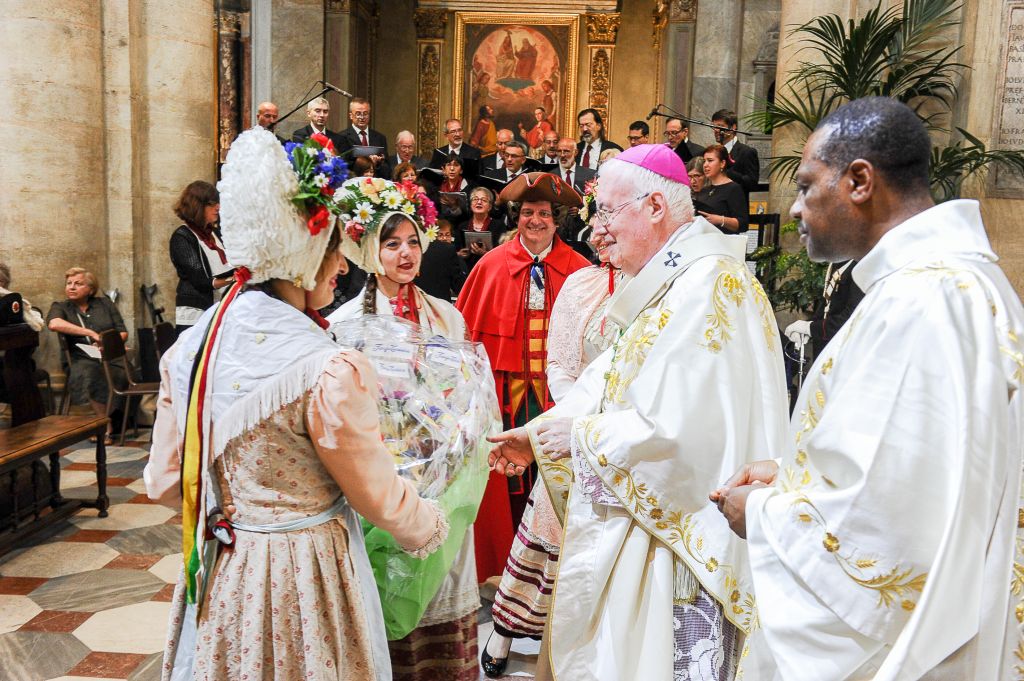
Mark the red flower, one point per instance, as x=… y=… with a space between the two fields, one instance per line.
x=324 y=141
x=327 y=191
x=318 y=219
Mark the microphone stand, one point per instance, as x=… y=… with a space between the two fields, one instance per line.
x=317 y=95
x=672 y=113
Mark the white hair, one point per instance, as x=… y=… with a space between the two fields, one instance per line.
x=677 y=194
x=319 y=101
x=404 y=133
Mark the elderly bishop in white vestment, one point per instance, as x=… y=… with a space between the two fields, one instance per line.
x=652 y=584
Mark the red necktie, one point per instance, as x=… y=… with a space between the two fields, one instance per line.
x=362 y=134
x=586 y=157
x=568 y=178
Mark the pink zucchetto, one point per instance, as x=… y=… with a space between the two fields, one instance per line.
x=659 y=159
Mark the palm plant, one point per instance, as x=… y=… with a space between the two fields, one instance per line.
x=899 y=52
x=890 y=52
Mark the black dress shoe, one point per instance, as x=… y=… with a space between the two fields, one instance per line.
x=494 y=667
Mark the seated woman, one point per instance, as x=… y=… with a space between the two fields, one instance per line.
x=197 y=254
x=721 y=201
x=295 y=455
x=362 y=167
x=481 y=203
x=81 y=318
x=444 y=645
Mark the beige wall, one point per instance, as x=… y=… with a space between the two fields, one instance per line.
x=110 y=114
x=634 y=74
x=395 y=101
x=297 y=58
x=983 y=20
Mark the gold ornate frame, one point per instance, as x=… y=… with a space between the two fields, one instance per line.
x=462 y=19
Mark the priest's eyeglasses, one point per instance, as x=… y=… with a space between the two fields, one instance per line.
x=604 y=216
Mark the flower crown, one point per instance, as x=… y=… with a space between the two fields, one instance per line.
x=320 y=173
x=589 y=196
x=363 y=202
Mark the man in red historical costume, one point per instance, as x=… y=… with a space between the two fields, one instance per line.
x=507 y=303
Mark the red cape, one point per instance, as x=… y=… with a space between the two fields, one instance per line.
x=493 y=304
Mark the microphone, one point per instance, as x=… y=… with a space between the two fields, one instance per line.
x=336 y=89
x=654 y=112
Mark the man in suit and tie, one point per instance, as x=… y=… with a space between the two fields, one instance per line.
x=592 y=141
x=638 y=133
x=454 y=134
x=360 y=134
x=677 y=136
x=405 y=152
x=317 y=111
x=515 y=157
x=575 y=176
x=571 y=228
x=550 y=156
x=744 y=167
x=494 y=164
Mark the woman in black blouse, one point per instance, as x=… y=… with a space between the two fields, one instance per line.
x=197 y=253
x=721 y=201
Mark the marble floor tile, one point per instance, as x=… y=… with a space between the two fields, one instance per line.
x=97 y=590
x=127 y=469
x=139 y=486
x=162 y=539
x=58 y=559
x=56 y=621
x=117 y=495
x=133 y=561
x=164 y=595
x=15 y=611
x=111 y=665
x=150 y=669
x=169 y=567
x=20 y=586
x=140 y=628
x=91 y=536
x=122 y=517
x=72 y=479
x=114 y=455
x=38 y=656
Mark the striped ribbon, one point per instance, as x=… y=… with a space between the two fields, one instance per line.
x=196 y=449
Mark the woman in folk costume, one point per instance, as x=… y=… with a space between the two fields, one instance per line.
x=579 y=333
x=389 y=245
x=286 y=442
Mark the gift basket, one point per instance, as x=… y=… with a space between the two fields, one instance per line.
x=437 y=406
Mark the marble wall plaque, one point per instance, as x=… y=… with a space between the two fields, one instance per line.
x=1009 y=127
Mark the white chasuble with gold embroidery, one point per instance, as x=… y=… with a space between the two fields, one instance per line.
x=885 y=550
x=692 y=389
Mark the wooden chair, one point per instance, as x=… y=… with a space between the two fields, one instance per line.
x=165 y=337
x=113 y=354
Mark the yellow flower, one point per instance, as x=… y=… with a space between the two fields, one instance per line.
x=831 y=542
x=602 y=459
x=657 y=513
x=711 y=565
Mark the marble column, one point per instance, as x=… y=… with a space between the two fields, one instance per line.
x=430 y=28
x=719 y=30
x=677 y=60
x=602 y=30
x=789 y=139
x=52 y=174
x=337 y=57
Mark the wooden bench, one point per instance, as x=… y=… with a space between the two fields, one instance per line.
x=24 y=446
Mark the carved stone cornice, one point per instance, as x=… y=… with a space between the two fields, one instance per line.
x=338 y=6
x=430 y=23
x=228 y=22
x=600 y=80
x=683 y=11
x=602 y=28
